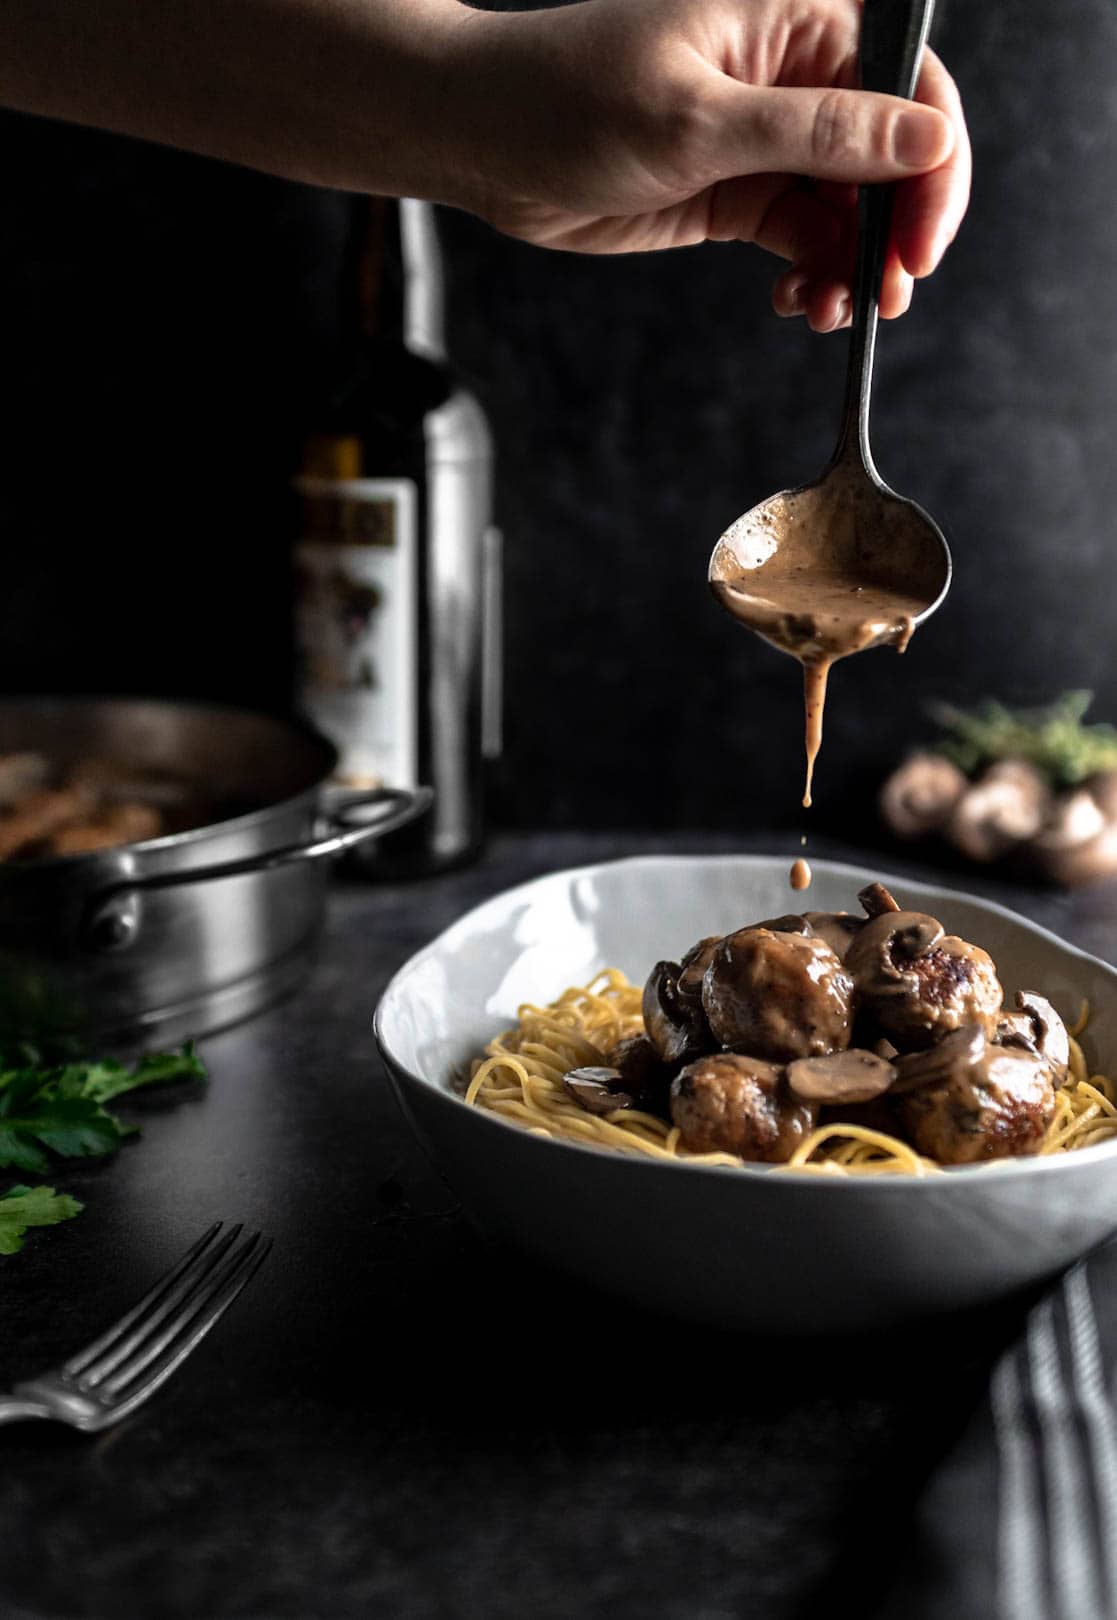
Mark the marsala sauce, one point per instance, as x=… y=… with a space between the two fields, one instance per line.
x=822 y=577
x=800 y=875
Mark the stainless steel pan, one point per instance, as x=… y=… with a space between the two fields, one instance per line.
x=182 y=934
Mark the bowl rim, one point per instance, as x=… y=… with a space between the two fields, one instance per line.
x=890 y=1184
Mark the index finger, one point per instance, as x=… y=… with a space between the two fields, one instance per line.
x=930 y=207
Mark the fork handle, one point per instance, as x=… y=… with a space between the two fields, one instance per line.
x=14 y=1410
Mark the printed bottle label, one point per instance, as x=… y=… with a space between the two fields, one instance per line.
x=356 y=624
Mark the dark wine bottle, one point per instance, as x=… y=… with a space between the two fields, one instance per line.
x=398 y=564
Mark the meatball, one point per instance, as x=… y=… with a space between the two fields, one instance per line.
x=777 y=996
x=916 y=983
x=967 y=1100
x=726 y=1103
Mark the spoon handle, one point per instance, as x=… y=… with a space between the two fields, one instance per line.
x=893 y=33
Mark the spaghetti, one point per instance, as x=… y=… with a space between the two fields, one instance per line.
x=520 y=1078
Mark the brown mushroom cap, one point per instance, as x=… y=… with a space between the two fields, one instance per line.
x=919 y=796
x=597 y=1090
x=1078 y=843
x=675 y=1025
x=916 y=983
x=956 y=1053
x=643 y=1074
x=852 y=1076
x=837 y=928
x=1048 y=1032
x=729 y=1103
x=778 y=996
x=1008 y=804
x=876 y=901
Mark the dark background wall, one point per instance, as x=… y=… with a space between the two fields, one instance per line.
x=164 y=321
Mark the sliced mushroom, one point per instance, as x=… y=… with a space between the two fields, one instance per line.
x=597 y=1090
x=692 y=968
x=778 y=996
x=728 y=1103
x=876 y=900
x=853 y=1076
x=917 y=983
x=1048 y=1032
x=643 y=1074
x=675 y=1025
x=919 y=796
x=961 y=1049
x=967 y=1099
x=837 y=928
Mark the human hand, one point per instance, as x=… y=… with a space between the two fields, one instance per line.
x=616 y=126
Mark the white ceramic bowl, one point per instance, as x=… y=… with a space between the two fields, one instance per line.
x=751 y=1248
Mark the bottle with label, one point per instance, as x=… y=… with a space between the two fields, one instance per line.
x=397 y=566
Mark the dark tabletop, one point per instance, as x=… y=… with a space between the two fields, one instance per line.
x=399 y=1419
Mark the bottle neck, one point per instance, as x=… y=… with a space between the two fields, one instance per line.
x=424 y=288
x=397 y=267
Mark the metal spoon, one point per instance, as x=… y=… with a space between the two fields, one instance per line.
x=844 y=563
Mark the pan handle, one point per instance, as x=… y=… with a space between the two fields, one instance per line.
x=112 y=915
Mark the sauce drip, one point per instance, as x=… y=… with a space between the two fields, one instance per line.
x=800 y=876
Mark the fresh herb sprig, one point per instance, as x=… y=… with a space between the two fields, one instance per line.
x=61 y=1110
x=1054 y=738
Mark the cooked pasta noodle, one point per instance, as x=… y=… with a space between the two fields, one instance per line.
x=520 y=1078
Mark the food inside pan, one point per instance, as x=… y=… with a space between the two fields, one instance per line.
x=96 y=803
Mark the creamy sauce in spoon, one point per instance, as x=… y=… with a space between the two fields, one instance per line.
x=824 y=572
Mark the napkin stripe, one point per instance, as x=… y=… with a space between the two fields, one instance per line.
x=1021 y=1578
x=1070 y=1531
x=1099 y=1419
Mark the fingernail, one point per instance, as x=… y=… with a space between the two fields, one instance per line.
x=843 y=313
x=794 y=295
x=917 y=139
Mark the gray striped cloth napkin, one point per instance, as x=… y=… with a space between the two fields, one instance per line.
x=1020 y=1521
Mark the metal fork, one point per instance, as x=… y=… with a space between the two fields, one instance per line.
x=117 y=1372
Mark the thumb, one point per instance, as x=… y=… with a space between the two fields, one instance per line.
x=852 y=135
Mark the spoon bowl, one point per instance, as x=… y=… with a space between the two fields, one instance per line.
x=833 y=567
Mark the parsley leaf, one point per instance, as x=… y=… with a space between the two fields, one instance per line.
x=22 y=1207
x=62 y=1109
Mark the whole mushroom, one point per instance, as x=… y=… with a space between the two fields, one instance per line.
x=1078 y=842
x=729 y=1103
x=777 y=995
x=1007 y=805
x=919 y=796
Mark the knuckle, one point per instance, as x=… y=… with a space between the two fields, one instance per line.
x=837 y=133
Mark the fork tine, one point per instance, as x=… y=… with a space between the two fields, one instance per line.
x=169 y=1299
x=179 y=1341
x=85 y=1357
x=182 y=1319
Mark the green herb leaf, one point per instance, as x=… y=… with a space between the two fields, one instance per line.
x=62 y=1108
x=1054 y=739
x=22 y=1207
